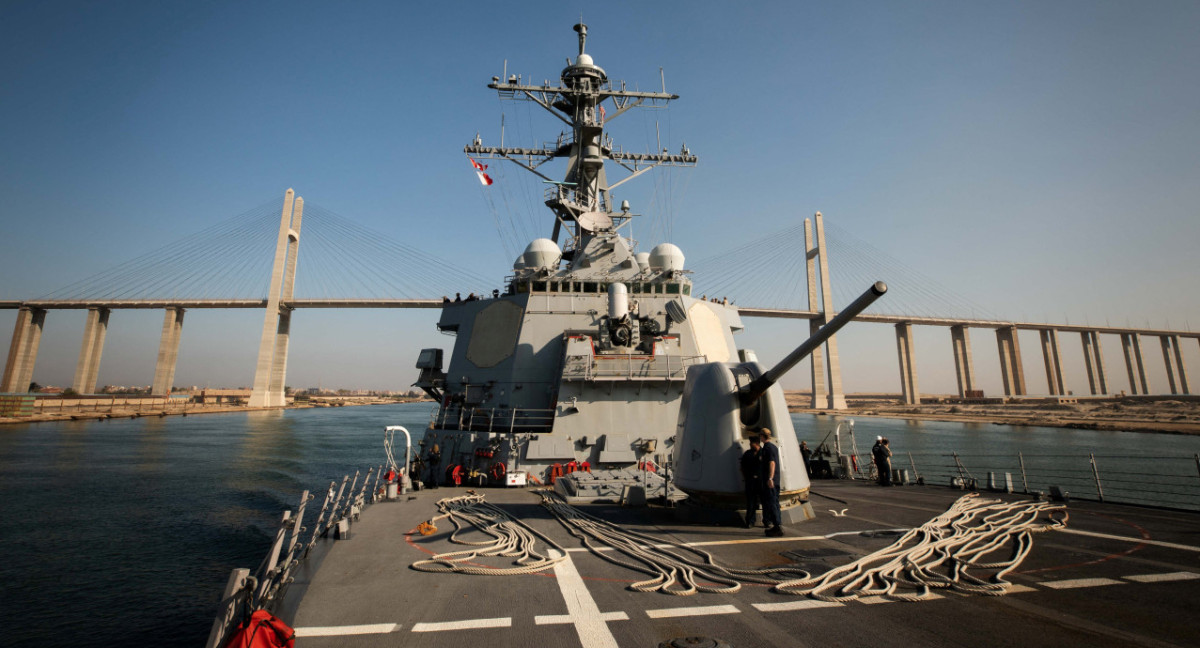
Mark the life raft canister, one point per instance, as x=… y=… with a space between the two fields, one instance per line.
x=556 y=471
x=262 y=630
x=571 y=467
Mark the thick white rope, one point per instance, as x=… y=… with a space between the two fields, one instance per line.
x=675 y=568
x=941 y=553
x=511 y=538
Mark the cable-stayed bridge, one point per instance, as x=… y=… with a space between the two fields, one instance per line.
x=787 y=274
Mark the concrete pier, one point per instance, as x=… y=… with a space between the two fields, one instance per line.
x=1131 y=344
x=908 y=368
x=1173 y=361
x=836 y=398
x=88 y=368
x=1054 y=378
x=1093 y=359
x=23 y=350
x=964 y=364
x=1011 y=370
x=820 y=397
x=168 y=352
x=271 y=369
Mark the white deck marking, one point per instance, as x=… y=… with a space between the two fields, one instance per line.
x=665 y=613
x=795 y=605
x=711 y=543
x=1156 y=543
x=337 y=631
x=1080 y=582
x=1161 y=578
x=590 y=624
x=555 y=619
x=465 y=624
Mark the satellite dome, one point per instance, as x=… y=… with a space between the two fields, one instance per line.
x=519 y=264
x=583 y=60
x=643 y=260
x=667 y=257
x=542 y=254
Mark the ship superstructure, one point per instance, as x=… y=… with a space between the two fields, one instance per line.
x=583 y=357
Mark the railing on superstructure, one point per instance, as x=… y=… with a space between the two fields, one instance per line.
x=491 y=419
x=628 y=367
x=1166 y=480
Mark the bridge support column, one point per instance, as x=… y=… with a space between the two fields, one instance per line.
x=1011 y=370
x=835 y=399
x=908 y=366
x=22 y=352
x=1093 y=359
x=168 y=352
x=1131 y=344
x=90 y=350
x=271 y=370
x=820 y=398
x=1170 y=347
x=1053 y=360
x=964 y=365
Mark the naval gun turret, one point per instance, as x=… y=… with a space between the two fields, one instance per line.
x=725 y=403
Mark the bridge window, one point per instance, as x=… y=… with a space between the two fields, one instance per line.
x=687 y=289
x=577 y=287
x=673 y=289
x=539 y=286
x=589 y=286
x=658 y=288
x=553 y=286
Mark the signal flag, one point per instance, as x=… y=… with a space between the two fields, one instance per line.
x=484 y=178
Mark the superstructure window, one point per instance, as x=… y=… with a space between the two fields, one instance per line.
x=553 y=286
x=589 y=286
x=539 y=286
x=658 y=288
x=687 y=289
x=673 y=289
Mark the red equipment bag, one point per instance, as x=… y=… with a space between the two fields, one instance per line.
x=262 y=630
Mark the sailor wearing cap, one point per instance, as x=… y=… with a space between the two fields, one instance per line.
x=771 y=477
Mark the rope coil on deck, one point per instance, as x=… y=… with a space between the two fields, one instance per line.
x=674 y=571
x=511 y=538
x=940 y=553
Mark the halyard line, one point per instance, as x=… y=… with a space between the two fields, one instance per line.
x=465 y=624
x=1080 y=582
x=337 y=631
x=692 y=611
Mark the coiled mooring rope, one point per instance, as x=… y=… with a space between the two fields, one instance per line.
x=940 y=554
x=511 y=538
x=676 y=568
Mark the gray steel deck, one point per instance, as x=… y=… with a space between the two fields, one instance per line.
x=1135 y=582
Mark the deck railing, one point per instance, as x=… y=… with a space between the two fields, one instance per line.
x=492 y=419
x=1171 y=481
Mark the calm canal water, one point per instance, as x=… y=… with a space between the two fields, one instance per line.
x=123 y=532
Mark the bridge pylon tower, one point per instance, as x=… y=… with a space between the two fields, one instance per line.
x=826 y=367
x=271 y=371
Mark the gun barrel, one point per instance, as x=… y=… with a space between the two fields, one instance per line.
x=759 y=386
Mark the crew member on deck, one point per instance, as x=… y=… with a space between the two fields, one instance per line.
x=771 y=478
x=751 y=463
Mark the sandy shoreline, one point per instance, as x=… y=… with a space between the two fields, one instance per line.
x=190 y=410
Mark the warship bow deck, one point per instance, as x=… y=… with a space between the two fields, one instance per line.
x=1117 y=576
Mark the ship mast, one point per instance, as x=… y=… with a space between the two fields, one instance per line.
x=581 y=201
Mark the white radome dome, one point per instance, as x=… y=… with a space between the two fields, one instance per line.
x=643 y=260
x=519 y=264
x=666 y=257
x=542 y=254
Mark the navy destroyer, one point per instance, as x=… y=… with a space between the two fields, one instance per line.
x=597 y=392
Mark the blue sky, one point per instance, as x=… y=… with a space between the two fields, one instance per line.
x=1042 y=158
